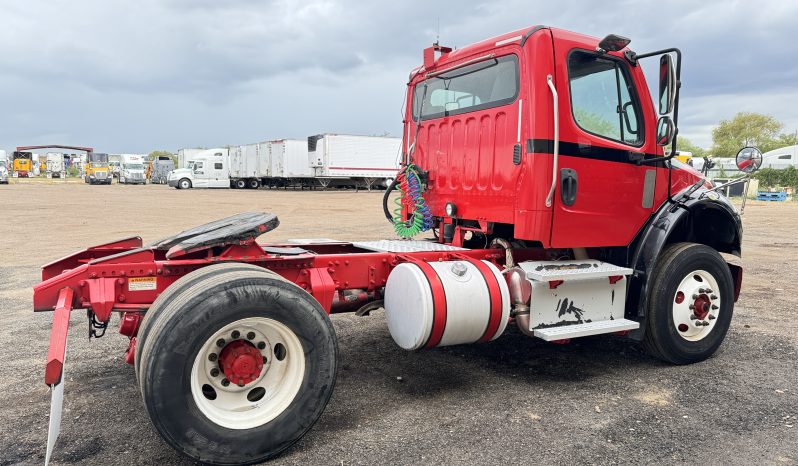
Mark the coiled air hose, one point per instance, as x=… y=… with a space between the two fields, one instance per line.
x=408 y=182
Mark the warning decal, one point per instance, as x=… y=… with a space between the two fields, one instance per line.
x=141 y=283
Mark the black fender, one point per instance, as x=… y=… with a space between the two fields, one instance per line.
x=704 y=217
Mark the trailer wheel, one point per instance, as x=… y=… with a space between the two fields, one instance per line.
x=184 y=183
x=691 y=305
x=237 y=367
x=253 y=184
x=240 y=184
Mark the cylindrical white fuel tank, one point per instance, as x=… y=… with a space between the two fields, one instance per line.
x=429 y=304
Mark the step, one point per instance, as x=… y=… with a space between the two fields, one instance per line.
x=548 y=271
x=392 y=245
x=564 y=332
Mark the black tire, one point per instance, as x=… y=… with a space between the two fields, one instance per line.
x=253 y=184
x=184 y=183
x=176 y=288
x=184 y=325
x=662 y=340
x=240 y=184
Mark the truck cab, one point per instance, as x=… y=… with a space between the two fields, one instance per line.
x=131 y=170
x=96 y=169
x=22 y=164
x=207 y=169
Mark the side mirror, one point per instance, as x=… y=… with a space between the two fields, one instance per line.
x=667 y=84
x=749 y=159
x=665 y=130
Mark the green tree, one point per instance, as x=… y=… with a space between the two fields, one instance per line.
x=163 y=153
x=684 y=144
x=745 y=129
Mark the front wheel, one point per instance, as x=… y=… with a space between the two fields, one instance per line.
x=691 y=304
x=184 y=184
x=237 y=367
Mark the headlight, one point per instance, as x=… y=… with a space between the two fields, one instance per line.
x=451 y=209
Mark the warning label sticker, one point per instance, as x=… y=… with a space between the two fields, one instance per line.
x=141 y=283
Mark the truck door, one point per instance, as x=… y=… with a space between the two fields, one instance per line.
x=602 y=196
x=200 y=174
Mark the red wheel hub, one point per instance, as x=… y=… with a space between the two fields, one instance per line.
x=241 y=362
x=701 y=306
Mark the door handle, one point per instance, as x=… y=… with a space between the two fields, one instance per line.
x=636 y=157
x=569 y=182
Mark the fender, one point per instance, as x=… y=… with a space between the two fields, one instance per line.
x=704 y=217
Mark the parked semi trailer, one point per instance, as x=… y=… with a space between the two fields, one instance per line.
x=208 y=169
x=55 y=167
x=347 y=159
x=289 y=164
x=249 y=165
x=536 y=160
x=184 y=156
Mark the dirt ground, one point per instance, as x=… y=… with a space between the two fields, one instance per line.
x=598 y=400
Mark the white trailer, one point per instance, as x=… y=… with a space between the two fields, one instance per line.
x=289 y=163
x=207 y=169
x=249 y=165
x=348 y=159
x=184 y=156
x=55 y=165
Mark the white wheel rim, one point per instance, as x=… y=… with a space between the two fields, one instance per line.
x=237 y=407
x=696 y=305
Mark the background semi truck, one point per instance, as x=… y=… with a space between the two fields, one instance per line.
x=159 y=169
x=96 y=169
x=132 y=169
x=22 y=164
x=207 y=169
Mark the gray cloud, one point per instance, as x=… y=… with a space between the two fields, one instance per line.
x=134 y=76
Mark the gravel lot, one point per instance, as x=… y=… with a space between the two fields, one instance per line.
x=516 y=400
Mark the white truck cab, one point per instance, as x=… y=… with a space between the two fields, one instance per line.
x=207 y=169
x=131 y=170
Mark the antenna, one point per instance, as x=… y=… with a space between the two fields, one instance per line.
x=438 y=34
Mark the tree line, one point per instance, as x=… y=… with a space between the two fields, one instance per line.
x=764 y=132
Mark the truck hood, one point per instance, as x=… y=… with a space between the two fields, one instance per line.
x=179 y=172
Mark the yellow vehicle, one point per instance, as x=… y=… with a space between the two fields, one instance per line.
x=684 y=156
x=22 y=164
x=96 y=169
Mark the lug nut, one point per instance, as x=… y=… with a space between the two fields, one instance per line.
x=240 y=383
x=693 y=317
x=251 y=336
x=225 y=382
x=713 y=297
x=691 y=307
x=220 y=342
x=235 y=334
x=711 y=317
x=264 y=360
x=695 y=296
x=714 y=307
x=212 y=357
x=261 y=345
x=214 y=372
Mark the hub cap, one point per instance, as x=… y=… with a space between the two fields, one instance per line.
x=696 y=305
x=247 y=373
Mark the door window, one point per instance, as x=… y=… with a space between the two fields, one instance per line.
x=603 y=98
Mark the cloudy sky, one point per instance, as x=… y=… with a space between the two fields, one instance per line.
x=136 y=76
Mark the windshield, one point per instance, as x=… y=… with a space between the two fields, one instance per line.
x=97 y=165
x=134 y=166
x=486 y=84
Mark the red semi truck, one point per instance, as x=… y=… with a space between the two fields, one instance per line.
x=537 y=162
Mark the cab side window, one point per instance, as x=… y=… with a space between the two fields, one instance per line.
x=217 y=166
x=603 y=98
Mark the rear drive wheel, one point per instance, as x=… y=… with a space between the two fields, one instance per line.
x=240 y=184
x=184 y=183
x=253 y=184
x=237 y=367
x=691 y=304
